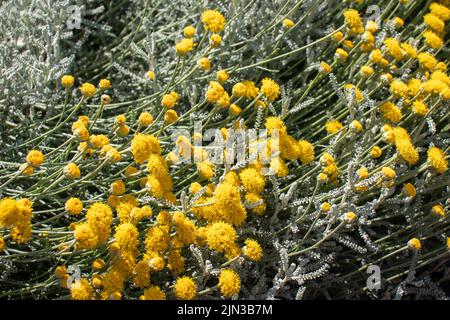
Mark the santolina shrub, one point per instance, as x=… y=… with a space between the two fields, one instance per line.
x=243 y=150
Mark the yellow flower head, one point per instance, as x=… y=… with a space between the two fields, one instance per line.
x=170 y=116
x=215 y=40
x=288 y=23
x=145 y=119
x=409 y=190
x=436 y=159
x=432 y=39
x=252 y=250
x=440 y=11
x=153 y=293
x=104 y=84
x=270 y=89
x=433 y=22
x=185 y=288
x=87 y=89
x=185 y=46
x=204 y=63
x=143 y=145
x=353 y=21
x=438 y=210
x=72 y=171
x=189 y=31
x=388 y=173
x=333 y=126
x=35 y=158
x=376 y=152
x=67 y=81
x=229 y=283
x=394 y=48
x=222 y=76
x=213 y=20
x=415 y=244
x=81 y=290
x=220 y=236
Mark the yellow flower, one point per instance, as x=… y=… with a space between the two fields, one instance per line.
x=151 y=75
x=434 y=22
x=325 y=207
x=87 y=89
x=409 y=190
x=206 y=170
x=338 y=36
x=185 y=288
x=440 y=11
x=35 y=158
x=220 y=236
x=350 y=217
x=306 y=154
x=81 y=290
x=341 y=54
x=399 y=89
x=436 y=159
x=118 y=187
x=415 y=244
x=388 y=173
x=394 y=48
x=235 y=110
x=427 y=60
x=153 y=293
x=222 y=76
x=72 y=171
x=215 y=40
x=371 y=26
x=270 y=89
x=356 y=126
x=229 y=283
x=169 y=100
x=438 y=210
x=333 y=126
x=170 y=116
x=252 y=180
x=145 y=119
x=189 y=31
x=126 y=236
x=98 y=264
x=67 y=81
x=204 y=63
x=104 y=84
x=98 y=141
x=184 y=46
x=375 y=56
x=288 y=23
x=376 y=152
x=432 y=39
x=419 y=108
x=252 y=250
x=353 y=21
x=2 y=244
x=324 y=67
x=60 y=271
x=409 y=50
x=391 y=112
x=213 y=20
x=120 y=120
x=143 y=145
x=363 y=173
x=398 y=22
x=252 y=198
x=366 y=71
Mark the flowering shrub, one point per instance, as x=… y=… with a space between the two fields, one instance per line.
x=248 y=149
